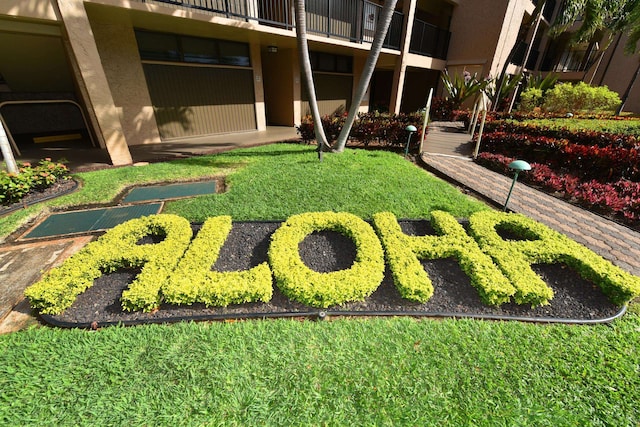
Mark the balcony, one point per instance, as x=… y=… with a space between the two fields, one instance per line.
x=429 y=40
x=352 y=20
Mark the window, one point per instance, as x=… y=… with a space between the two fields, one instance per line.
x=199 y=50
x=330 y=63
x=158 y=47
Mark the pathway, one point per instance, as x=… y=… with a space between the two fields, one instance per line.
x=447 y=152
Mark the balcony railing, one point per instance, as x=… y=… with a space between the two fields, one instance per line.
x=353 y=20
x=429 y=40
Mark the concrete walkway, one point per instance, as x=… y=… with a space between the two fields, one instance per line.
x=447 y=153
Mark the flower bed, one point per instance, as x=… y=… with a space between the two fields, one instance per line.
x=599 y=171
x=368 y=128
x=178 y=270
x=14 y=187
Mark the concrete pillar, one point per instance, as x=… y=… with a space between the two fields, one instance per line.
x=84 y=53
x=297 y=89
x=116 y=41
x=409 y=11
x=258 y=86
x=358 y=65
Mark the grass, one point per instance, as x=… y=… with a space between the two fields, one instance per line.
x=397 y=371
x=345 y=372
x=273 y=182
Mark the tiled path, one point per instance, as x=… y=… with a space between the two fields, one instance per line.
x=447 y=153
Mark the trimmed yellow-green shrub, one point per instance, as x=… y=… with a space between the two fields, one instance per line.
x=117 y=249
x=298 y=282
x=194 y=281
x=542 y=245
x=404 y=253
x=580 y=97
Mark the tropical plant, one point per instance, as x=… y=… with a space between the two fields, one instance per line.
x=305 y=64
x=612 y=17
x=378 y=40
x=459 y=88
x=537 y=81
x=499 y=93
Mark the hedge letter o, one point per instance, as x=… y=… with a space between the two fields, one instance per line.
x=300 y=283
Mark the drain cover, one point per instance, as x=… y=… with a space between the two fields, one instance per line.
x=90 y=220
x=170 y=191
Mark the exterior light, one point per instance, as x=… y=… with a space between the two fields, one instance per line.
x=272 y=49
x=411 y=129
x=517 y=166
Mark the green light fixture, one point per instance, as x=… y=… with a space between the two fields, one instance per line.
x=411 y=129
x=517 y=166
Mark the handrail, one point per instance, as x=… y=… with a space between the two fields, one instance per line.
x=41 y=101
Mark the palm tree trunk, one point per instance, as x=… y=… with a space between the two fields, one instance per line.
x=305 y=63
x=378 y=40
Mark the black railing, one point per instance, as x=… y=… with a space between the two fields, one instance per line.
x=352 y=20
x=429 y=40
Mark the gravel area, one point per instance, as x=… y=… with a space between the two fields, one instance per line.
x=575 y=299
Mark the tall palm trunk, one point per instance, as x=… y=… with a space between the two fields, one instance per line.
x=305 y=63
x=378 y=40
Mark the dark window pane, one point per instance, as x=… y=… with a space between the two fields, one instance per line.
x=199 y=50
x=326 y=62
x=232 y=53
x=158 y=47
x=344 y=64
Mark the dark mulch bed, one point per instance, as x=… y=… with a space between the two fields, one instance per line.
x=575 y=299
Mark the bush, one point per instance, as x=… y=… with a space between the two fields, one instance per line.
x=565 y=97
x=530 y=99
x=13 y=187
x=300 y=283
x=383 y=128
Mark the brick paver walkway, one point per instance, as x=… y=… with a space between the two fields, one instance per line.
x=614 y=242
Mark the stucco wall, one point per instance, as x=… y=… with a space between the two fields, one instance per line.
x=118 y=51
x=34 y=9
x=484 y=32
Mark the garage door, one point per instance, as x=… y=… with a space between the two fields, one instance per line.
x=193 y=101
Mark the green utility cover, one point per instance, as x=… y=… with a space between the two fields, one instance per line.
x=90 y=220
x=170 y=191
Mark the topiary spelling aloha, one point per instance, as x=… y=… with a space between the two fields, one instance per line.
x=117 y=249
x=404 y=253
x=194 y=281
x=542 y=245
x=299 y=282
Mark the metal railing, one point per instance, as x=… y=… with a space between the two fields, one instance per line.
x=352 y=20
x=429 y=40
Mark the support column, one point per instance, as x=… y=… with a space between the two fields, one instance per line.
x=409 y=11
x=84 y=53
x=258 y=86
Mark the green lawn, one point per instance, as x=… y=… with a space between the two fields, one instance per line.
x=397 y=371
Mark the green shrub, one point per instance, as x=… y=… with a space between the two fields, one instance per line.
x=13 y=187
x=530 y=99
x=542 y=245
x=117 y=249
x=404 y=253
x=300 y=283
x=194 y=281
x=566 y=97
